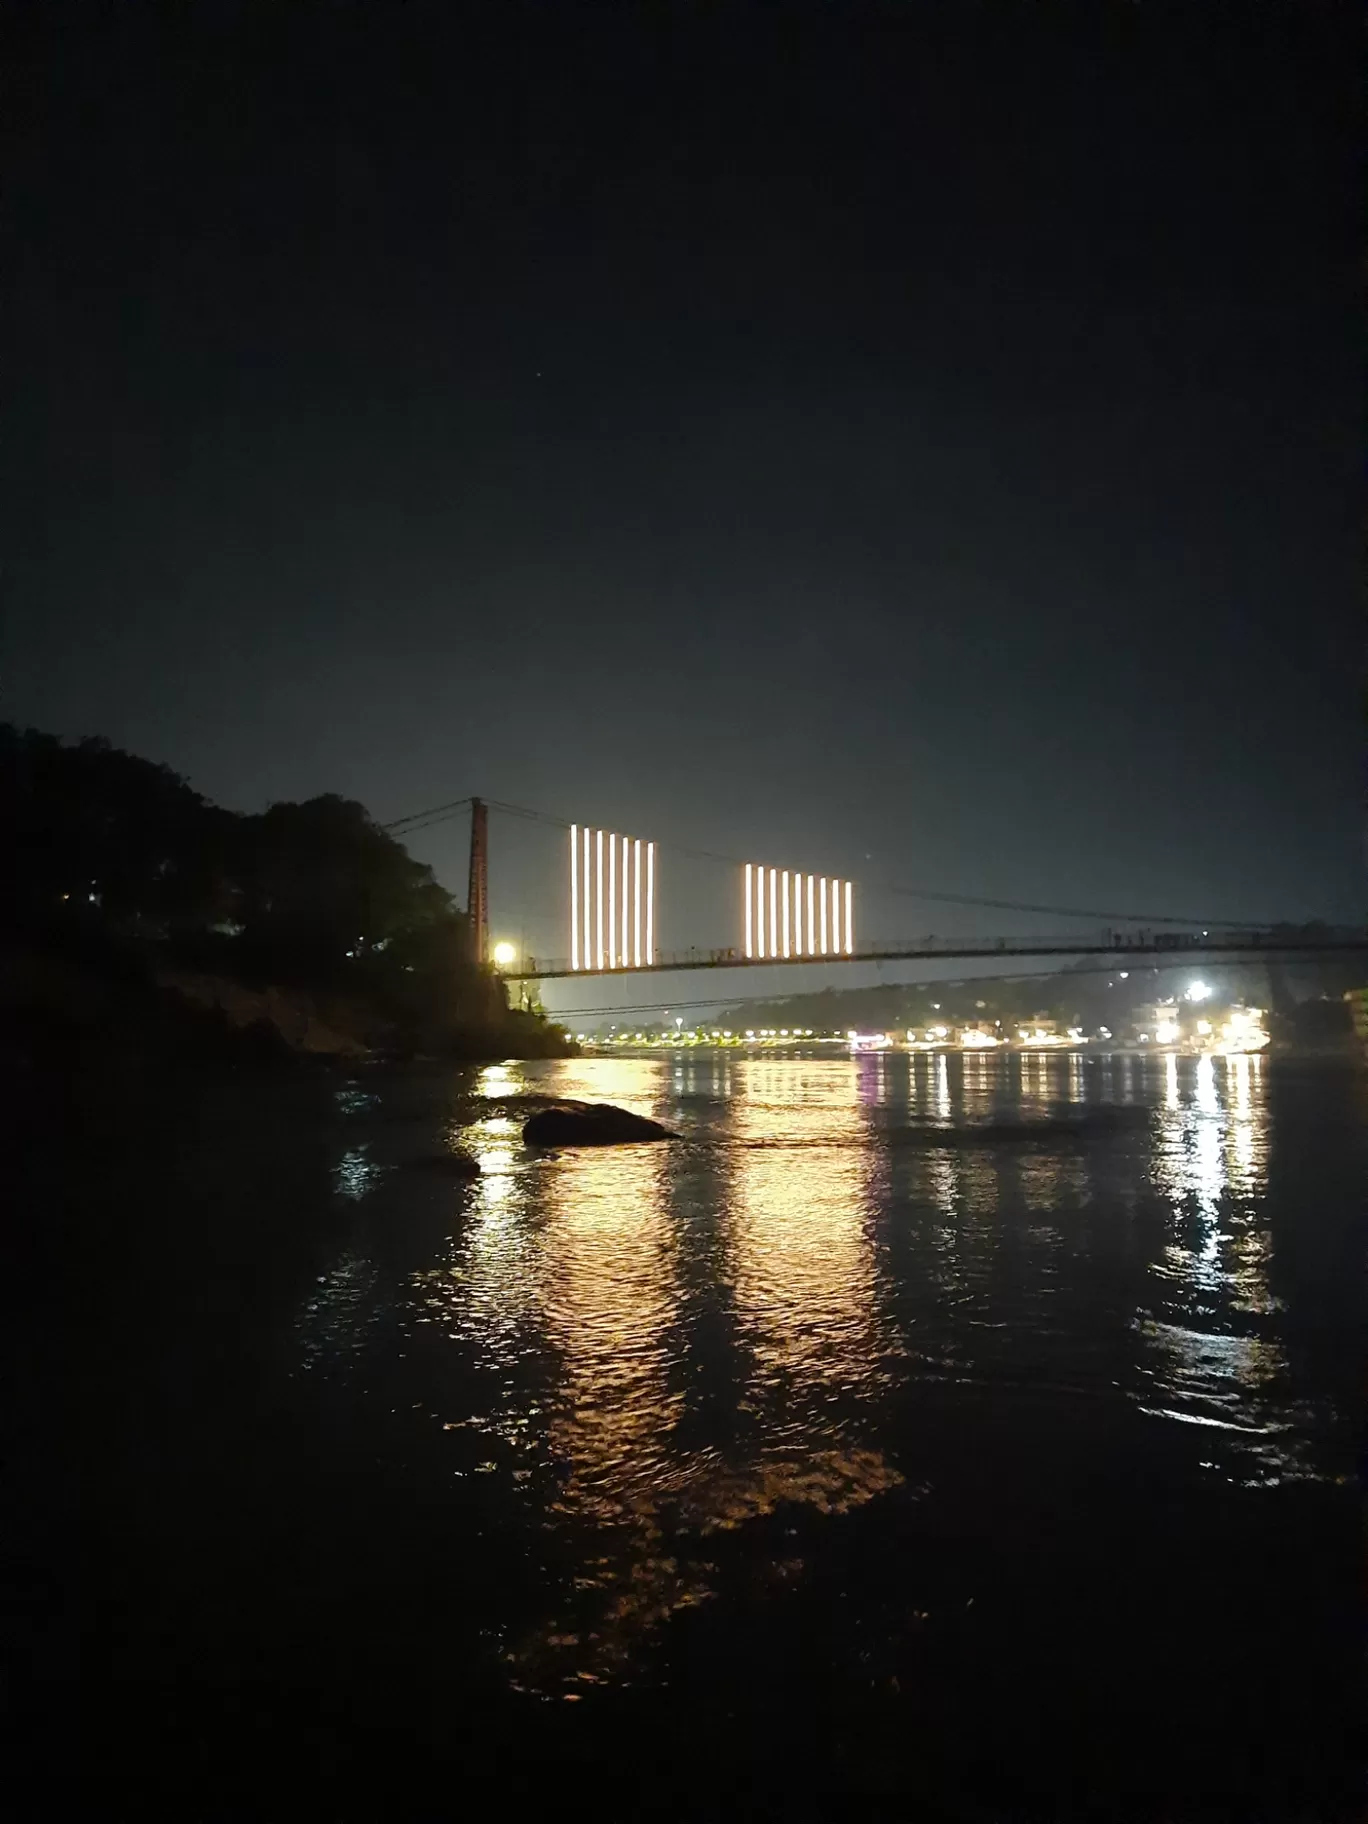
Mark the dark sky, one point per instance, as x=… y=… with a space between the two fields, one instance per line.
x=914 y=441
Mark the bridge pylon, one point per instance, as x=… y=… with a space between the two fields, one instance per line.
x=477 y=900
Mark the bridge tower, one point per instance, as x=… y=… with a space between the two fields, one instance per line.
x=477 y=900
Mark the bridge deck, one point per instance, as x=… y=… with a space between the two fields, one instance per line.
x=1169 y=946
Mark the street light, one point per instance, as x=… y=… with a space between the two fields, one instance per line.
x=504 y=954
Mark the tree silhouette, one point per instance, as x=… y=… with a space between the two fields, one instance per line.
x=313 y=895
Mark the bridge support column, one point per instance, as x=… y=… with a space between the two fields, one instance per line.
x=477 y=900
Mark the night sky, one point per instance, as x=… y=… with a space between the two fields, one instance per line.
x=917 y=442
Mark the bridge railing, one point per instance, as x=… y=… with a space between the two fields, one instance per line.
x=1117 y=943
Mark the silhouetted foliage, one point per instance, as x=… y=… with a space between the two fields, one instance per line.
x=98 y=834
x=319 y=882
x=101 y=843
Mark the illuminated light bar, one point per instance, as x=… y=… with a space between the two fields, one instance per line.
x=612 y=900
x=598 y=927
x=606 y=910
x=626 y=875
x=588 y=910
x=650 y=904
x=574 y=896
x=636 y=908
x=783 y=922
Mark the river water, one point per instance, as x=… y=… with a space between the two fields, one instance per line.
x=863 y=1440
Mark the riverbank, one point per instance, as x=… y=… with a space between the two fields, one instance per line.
x=120 y=1000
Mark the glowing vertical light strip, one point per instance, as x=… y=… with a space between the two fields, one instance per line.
x=598 y=884
x=574 y=896
x=612 y=900
x=760 y=910
x=850 y=922
x=821 y=897
x=750 y=909
x=774 y=911
x=636 y=904
x=626 y=876
x=836 y=917
x=797 y=915
x=786 y=912
x=650 y=904
x=812 y=927
x=588 y=907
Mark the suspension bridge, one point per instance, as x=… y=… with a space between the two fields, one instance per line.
x=789 y=916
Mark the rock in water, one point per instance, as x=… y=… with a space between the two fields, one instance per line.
x=590 y=1124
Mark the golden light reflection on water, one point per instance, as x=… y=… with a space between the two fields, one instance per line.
x=980 y=1083
x=1213 y=1134
x=608 y=1298
x=804 y=1264
x=615 y=1313
x=589 y=1262
x=659 y=1345
x=1210 y=1163
x=1039 y=1081
x=940 y=1097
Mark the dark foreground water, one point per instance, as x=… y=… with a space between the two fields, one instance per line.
x=990 y=1475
